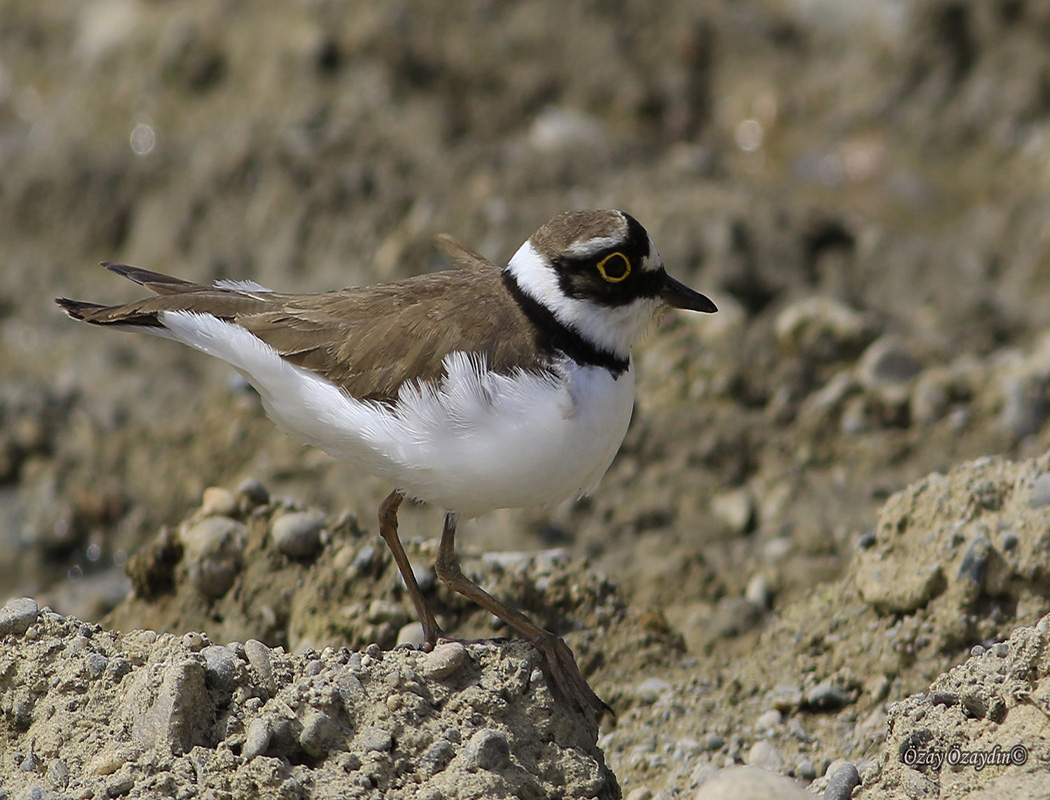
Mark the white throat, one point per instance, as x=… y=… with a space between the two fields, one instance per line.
x=612 y=328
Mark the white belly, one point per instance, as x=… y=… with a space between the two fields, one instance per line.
x=473 y=444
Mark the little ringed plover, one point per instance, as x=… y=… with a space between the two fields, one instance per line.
x=472 y=389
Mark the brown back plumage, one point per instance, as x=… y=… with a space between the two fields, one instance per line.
x=368 y=340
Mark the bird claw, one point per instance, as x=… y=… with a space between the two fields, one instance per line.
x=566 y=679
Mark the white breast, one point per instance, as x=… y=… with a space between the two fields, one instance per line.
x=473 y=443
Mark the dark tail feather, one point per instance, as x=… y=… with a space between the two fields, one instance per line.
x=154 y=281
x=107 y=315
x=77 y=309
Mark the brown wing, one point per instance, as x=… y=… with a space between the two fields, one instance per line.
x=368 y=340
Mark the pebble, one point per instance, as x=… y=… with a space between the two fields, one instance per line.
x=411 y=634
x=220 y=667
x=96 y=664
x=319 y=734
x=252 y=490
x=975 y=560
x=763 y=754
x=258 y=656
x=650 y=690
x=257 y=739
x=487 y=749
x=374 y=740
x=17 y=616
x=213 y=550
x=843 y=781
x=58 y=773
x=769 y=719
x=806 y=770
x=826 y=695
x=437 y=756
x=120 y=785
x=713 y=741
x=364 y=557
x=930 y=399
x=1023 y=407
x=298 y=535
x=886 y=367
x=444 y=660
x=736 y=508
x=759 y=592
x=218 y=502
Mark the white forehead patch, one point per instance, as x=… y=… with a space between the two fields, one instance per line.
x=590 y=247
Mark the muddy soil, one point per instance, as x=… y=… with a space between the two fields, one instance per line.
x=811 y=546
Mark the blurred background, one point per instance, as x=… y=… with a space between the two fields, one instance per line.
x=863 y=188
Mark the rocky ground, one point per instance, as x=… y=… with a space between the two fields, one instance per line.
x=811 y=555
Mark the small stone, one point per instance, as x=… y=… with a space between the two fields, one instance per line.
x=444 y=660
x=1023 y=408
x=886 y=368
x=17 y=616
x=758 y=591
x=58 y=773
x=374 y=739
x=411 y=635
x=193 y=641
x=320 y=734
x=252 y=490
x=770 y=719
x=437 y=757
x=220 y=667
x=120 y=785
x=975 y=561
x=218 y=502
x=806 y=770
x=257 y=739
x=258 y=656
x=713 y=741
x=487 y=749
x=96 y=664
x=826 y=695
x=763 y=754
x=651 y=689
x=365 y=556
x=1001 y=649
x=213 y=548
x=736 y=508
x=843 y=781
x=298 y=535
x=931 y=398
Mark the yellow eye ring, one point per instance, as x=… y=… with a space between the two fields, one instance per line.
x=614 y=278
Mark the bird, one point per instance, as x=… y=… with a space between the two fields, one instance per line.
x=470 y=389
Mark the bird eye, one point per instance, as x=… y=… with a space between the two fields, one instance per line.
x=614 y=267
